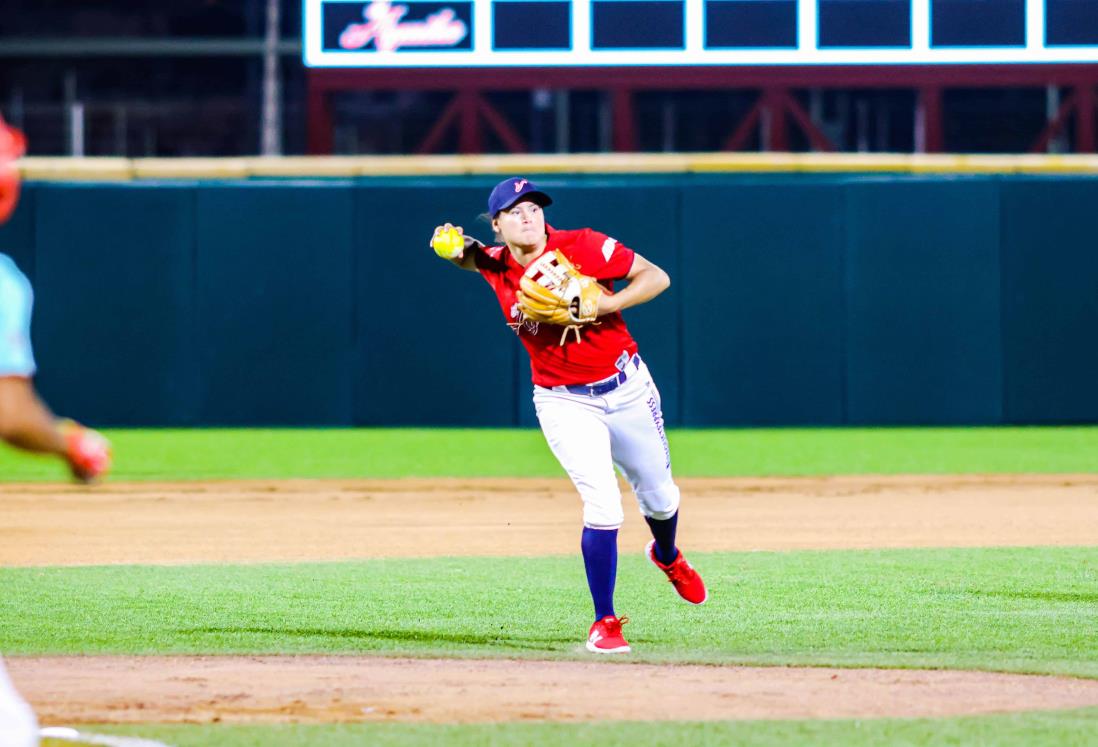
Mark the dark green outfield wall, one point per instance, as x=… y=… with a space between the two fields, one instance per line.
x=796 y=300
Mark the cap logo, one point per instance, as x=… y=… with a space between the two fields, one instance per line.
x=519 y=185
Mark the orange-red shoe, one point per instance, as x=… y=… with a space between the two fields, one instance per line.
x=682 y=576
x=87 y=452
x=605 y=636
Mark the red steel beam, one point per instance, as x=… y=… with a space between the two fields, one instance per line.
x=820 y=141
x=743 y=131
x=1084 y=119
x=806 y=76
x=1053 y=128
x=929 y=79
x=318 y=133
x=624 y=121
x=511 y=140
x=438 y=130
x=778 y=135
x=930 y=99
x=470 y=132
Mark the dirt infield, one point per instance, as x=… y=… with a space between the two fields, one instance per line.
x=341 y=519
x=348 y=688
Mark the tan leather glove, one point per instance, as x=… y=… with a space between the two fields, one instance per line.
x=555 y=292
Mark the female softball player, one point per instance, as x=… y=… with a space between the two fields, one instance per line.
x=595 y=399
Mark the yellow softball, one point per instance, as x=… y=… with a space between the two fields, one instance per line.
x=448 y=244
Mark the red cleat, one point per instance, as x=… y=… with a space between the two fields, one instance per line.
x=605 y=636
x=682 y=576
x=87 y=452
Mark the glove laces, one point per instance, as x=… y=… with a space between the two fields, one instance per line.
x=570 y=328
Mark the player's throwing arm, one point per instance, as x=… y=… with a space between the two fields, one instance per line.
x=25 y=422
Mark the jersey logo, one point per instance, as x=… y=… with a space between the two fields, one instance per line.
x=608 y=248
x=520 y=324
x=519 y=185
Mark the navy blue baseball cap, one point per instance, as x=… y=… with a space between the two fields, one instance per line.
x=509 y=191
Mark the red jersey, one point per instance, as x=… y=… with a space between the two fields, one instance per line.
x=594 y=357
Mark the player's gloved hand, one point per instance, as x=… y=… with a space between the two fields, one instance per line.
x=555 y=292
x=450 y=242
x=88 y=452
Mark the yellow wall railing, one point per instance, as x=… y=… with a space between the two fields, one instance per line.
x=125 y=169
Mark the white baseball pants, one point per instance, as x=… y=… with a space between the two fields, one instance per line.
x=590 y=435
x=18 y=726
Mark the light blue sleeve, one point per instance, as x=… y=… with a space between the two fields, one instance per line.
x=16 y=299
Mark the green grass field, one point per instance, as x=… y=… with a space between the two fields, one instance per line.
x=1074 y=728
x=385 y=453
x=1003 y=609
x=1011 y=609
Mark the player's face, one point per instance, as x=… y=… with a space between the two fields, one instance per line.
x=522 y=224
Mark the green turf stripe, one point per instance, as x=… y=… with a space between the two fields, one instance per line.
x=1009 y=609
x=386 y=453
x=1074 y=728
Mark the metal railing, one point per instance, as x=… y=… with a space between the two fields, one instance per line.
x=219 y=126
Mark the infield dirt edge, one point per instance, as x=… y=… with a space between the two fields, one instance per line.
x=342 y=689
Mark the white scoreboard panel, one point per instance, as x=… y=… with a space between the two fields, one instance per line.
x=564 y=33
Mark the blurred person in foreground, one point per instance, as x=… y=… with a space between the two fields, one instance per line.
x=25 y=421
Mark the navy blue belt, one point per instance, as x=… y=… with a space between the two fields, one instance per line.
x=605 y=386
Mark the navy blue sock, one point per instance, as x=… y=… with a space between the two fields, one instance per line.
x=663 y=531
x=600 y=558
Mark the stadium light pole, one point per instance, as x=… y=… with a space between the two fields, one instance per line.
x=271 y=125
